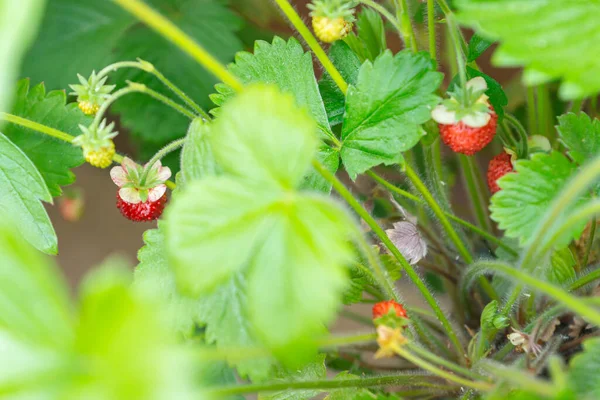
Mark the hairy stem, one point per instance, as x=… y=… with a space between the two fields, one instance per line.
x=478 y=200
x=412 y=274
x=174 y=145
x=431 y=29
x=178 y=37
x=590 y=243
x=584 y=280
x=406 y=25
x=312 y=42
x=388 y=15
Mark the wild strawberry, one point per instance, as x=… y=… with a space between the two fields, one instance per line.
x=91 y=93
x=142 y=194
x=96 y=142
x=384 y=307
x=498 y=167
x=71 y=205
x=331 y=19
x=467 y=122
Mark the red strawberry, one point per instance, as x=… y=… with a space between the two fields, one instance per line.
x=464 y=139
x=498 y=167
x=383 y=308
x=143 y=211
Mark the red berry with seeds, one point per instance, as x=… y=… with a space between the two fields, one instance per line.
x=143 y=211
x=383 y=308
x=498 y=167
x=464 y=139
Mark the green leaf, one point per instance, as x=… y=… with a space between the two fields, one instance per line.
x=371 y=41
x=562 y=267
x=527 y=194
x=477 y=46
x=348 y=64
x=330 y=159
x=197 y=159
x=312 y=371
x=22 y=188
x=392 y=98
x=289 y=247
x=18 y=25
x=274 y=149
x=545 y=36
x=52 y=157
x=581 y=135
x=583 y=370
x=286 y=65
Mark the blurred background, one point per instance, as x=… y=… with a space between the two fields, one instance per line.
x=79 y=36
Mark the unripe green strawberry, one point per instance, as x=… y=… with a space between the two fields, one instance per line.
x=331 y=30
x=96 y=143
x=91 y=93
x=332 y=19
x=100 y=157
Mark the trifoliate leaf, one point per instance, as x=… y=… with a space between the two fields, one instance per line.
x=197 y=160
x=527 y=194
x=371 y=41
x=583 y=369
x=477 y=46
x=562 y=267
x=22 y=188
x=348 y=64
x=392 y=98
x=52 y=157
x=286 y=65
x=581 y=135
x=18 y=25
x=312 y=371
x=545 y=36
x=275 y=149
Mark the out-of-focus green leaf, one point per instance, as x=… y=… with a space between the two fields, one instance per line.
x=312 y=371
x=477 y=46
x=582 y=376
x=581 y=135
x=562 y=267
x=197 y=159
x=370 y=41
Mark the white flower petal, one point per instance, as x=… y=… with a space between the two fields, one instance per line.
x=128 y=163
x=156 y=165
x=130 y=195
x=441 y=115
x=477 y=120
x=118 y=176
x=156 y=192
x=164 y=173
x=477 y=84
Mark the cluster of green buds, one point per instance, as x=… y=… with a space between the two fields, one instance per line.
x=91 y=93
x=332 y=20
x=97 y=144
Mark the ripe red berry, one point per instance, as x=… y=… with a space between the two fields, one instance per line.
x=498 y=167
x=464 y=139
x=143 y=211
x=383 y=308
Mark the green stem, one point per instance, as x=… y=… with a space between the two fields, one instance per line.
x=359 y=209
x=577 y=105
x=544 y=112
x=174 y=145
x=476 y=196
x=482 y=386
x=468 y=225
x=531 y=110
x=375 y=381
x=312 y=42
x=445 y=7
x=388 y=15
x=431 y=29
x=584 y=280
x=460 y=57
x=590 y=244
x=118 y=65
x=443 y=362
x=361 y=319
x=406 y=30
x=171 y=32
x=522 y=133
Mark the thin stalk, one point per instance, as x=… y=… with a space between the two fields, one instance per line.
x=174 y=34
x=388 y=15
x=174 y=145
x=431 y=29
x=476 y=196
x=584 y=280
x=361 y=319
x=577 y=105
x=460 y=57
x=482 y=386
x=543 y=112
x=443 y=362
x=312 y=42
x=375 y=381
x=468 y=225
x=521 y=131
x=412 y=274
x=407 y=32
x=55 y=133
x=118 y=65
x=531 y=110
x=590 y=243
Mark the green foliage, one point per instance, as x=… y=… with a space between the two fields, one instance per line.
x=22 y=188
x=197 y=159
x=370 y=41
x=562 y=267
x=545 y=36
x=310 y=372
x=525 y=196
x=52 y=157
x=393 y=96
x=477 y=46
x=581 y=135
x=582 y=376
x=18 y=26
x=287 y=244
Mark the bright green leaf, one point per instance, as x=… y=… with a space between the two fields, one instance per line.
x=545 y=36
x=392 y=98
x=52 y=157
x=330 y=159
x=477 y=46
x=562 y=267
x=526 y=195
x=197 y=160
x=581 y=135
x=583 y=371
x=371 y=41
x=286 y=65
x=262 y=136
x=312 y=371
x=22 y=188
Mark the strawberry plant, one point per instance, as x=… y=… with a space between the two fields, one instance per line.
x=287 y=198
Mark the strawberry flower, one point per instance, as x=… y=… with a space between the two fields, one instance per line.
x=137 y=187
x=476 y=114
